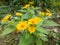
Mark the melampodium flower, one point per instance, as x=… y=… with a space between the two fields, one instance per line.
x=26 y=6
x=45 y=13
x=42 y=13
x=31 y=2
x=32 y=21
x=35 y=20
x=48 y=14
x=6 y=17
x=38 y=19
x=19 y=14
x=31 y=29
x=22 y=25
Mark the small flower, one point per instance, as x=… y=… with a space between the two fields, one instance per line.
x=42 y=13
x=6 y=17
x=35 y=20
x=31 y=29
x=48 y=14
x=19 y=14
x=45 y=13
x=32 y=21
x=26 y=6
x=38 y=19
x=22 y=25
x=31 y=2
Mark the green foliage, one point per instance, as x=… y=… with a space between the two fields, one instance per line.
x=26 y=39
x=7 y=31
x=41 y=33
x=10 y=6
x=50 y=23
x=38 y=41
x=42 y=30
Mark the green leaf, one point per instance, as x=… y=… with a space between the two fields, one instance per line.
x=38 y=42
x=32 y=11
x=33 y=16
x=43 y=37
x=25 y=16
x=57 y=44
x=22 y=41
x=39 y=24
x=22 y=10
x=50 y=23
x=27 y=35
x=41 y=33
x=42 y=30
x=36 y=8
x=14 y=1
x=26 y=41
x=7 y=31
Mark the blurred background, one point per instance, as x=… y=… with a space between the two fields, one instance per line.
x=9 y=6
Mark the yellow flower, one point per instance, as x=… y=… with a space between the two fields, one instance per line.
x=19 y=14
x=38 y=19
x=42 y=13
x=26 y=6
x=31 y=29
x=6 y=17
x=31 y=2
x=45 y=13
x=22 y=25
x=35 y=20
x=48 y=14
x=32 y=21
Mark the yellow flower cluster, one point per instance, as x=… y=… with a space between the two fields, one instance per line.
x=18 y=14
x=45 y=13
x=35 y=20
x=26 y=24
x=6 y=17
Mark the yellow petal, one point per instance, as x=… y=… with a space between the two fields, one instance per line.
x=31 y=29
x=19 y=14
